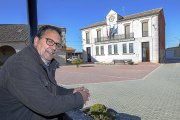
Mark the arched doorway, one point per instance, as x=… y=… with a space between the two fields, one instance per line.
x=5 y=52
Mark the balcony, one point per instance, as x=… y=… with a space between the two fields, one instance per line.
x=115 y=38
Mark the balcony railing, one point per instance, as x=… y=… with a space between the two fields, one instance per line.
x=115 y=38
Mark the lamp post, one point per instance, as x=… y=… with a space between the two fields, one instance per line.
x=32 y=18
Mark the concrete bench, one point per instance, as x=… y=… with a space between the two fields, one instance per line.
x=120 y=61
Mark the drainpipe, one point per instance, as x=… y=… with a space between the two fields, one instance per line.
x=32 y=19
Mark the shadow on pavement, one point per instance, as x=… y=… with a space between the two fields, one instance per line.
x=123 y=116
x=87 y=66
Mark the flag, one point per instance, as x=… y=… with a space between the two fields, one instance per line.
x=113 y=31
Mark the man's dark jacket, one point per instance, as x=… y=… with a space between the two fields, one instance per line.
x=28 y=90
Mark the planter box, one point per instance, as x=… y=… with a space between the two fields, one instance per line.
x=80 y=115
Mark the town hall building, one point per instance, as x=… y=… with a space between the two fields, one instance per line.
x=138 y=37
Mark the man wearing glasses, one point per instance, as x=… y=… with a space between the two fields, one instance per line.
x=28 y=90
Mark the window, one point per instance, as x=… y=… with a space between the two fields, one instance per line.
x=127 y=31
x=145 y=29
x=98 y=35
x=97 y=50
x=109 y=49
x=131 y=48
x=124 y=48
x=115 y=49
x=102 y=50
x=87 y=38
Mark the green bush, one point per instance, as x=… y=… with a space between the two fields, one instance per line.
x=131 y=63
x=77 y=62
x=99 y=112
x=98 y=108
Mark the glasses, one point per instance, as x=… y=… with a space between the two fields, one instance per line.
x=51 y=42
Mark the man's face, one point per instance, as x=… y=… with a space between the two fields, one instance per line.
x=46 y=51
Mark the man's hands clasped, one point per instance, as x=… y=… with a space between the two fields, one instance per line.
x=84 y=92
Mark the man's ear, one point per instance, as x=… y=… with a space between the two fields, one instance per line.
x=36 y=40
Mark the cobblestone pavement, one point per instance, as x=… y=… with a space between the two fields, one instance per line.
x=153 y=97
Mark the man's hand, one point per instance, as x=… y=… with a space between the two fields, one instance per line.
x=84 y=92
x=80 y=89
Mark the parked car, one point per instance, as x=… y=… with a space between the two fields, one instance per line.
x=72 y=58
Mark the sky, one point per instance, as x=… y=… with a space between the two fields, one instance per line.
x=77 y=14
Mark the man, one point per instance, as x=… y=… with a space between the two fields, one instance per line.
x=28 y=90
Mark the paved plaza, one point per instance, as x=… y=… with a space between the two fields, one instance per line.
x=144 y=91
x=95 y=73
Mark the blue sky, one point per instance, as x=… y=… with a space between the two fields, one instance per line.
x=77 y=14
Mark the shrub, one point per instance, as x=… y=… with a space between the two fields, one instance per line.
x=131 y=63
x=99 y=112
x=77 y=62
x=98 y=108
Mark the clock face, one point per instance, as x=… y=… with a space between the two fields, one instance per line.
x=111 y=18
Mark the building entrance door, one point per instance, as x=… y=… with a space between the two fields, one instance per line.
x=88 y=49
x=145 y=52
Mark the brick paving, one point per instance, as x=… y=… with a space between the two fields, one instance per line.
x=151 y=92
x=92 y=73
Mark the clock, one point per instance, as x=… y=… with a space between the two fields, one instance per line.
x=111 y=18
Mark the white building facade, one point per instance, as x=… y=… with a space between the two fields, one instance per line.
x=139 y=37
